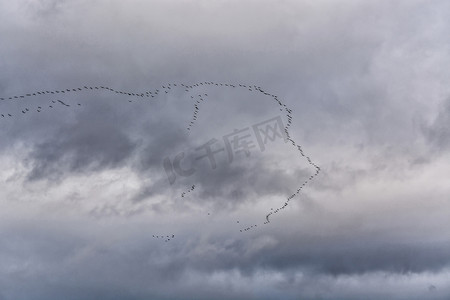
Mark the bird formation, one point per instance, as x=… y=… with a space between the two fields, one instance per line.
x=310 y=178
x=196 y=108
x=38 y=108
x=190 y=190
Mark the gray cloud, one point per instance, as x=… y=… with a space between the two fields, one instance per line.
x=437 y=133
x=369 y=95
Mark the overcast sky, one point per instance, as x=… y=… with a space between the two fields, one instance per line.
x=109 y=109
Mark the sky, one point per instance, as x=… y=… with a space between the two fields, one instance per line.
x=199 y=149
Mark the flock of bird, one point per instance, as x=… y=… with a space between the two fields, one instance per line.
x=165 y=89
x=190 y=190
x=38 y=109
